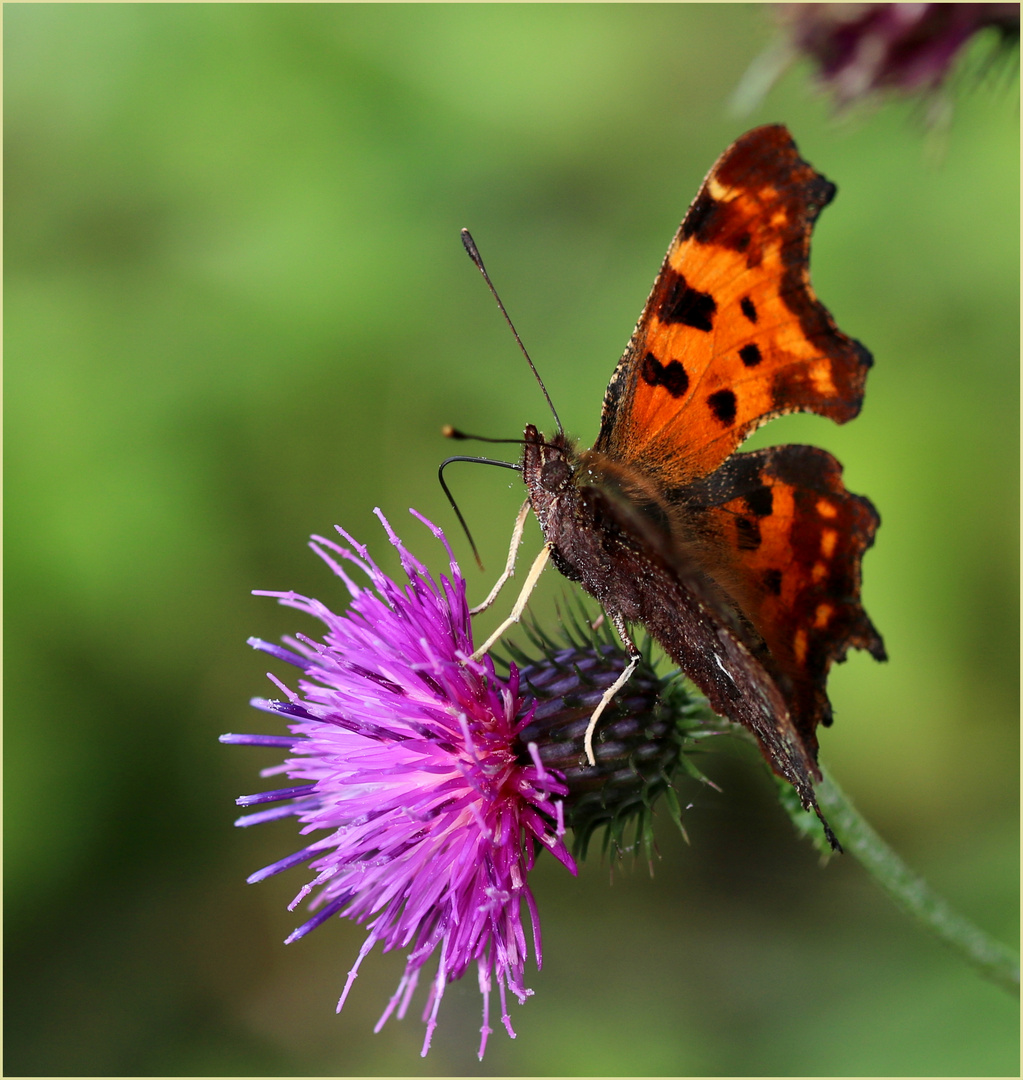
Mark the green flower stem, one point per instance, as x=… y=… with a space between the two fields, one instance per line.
x=995 y=960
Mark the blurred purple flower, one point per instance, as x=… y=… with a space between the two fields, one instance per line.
x=405 y=751
x=862 y=48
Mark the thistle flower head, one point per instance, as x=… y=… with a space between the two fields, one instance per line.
x=404 y=758
x=863 y=48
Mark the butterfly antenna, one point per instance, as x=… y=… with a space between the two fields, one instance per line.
x=454 y=506
x=474 y=254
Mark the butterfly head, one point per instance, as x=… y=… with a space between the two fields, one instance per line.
x=547 y=463
x=548 y=468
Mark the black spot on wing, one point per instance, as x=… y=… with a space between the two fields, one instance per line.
x=748 y=309
x=702 y=218
x=772 y=582
x=748 y=532
x=750 y=355
x=760 y=501
x=672 y=376
x=687 y=306
x=712 y=222
x=722 y=404
x=650 y=370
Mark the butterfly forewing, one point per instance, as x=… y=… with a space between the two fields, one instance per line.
x=732 y=334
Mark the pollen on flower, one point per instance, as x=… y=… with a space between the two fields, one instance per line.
x=404 y=758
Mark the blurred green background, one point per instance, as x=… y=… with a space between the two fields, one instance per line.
x=238 y=311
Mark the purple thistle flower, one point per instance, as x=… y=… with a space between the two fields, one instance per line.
x=863 y=48
x=404 y=750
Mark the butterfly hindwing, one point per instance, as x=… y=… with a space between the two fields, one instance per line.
x=789 y=544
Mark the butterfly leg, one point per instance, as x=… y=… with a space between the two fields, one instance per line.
x=509 y=567
x=634 y=657
x=520 y=605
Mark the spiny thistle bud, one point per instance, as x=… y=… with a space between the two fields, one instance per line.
x=644 y=736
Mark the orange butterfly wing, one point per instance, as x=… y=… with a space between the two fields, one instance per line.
x=732 y=334
x=791 y=540
x=745 y=567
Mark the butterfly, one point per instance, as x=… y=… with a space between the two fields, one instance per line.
x=744 y=566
